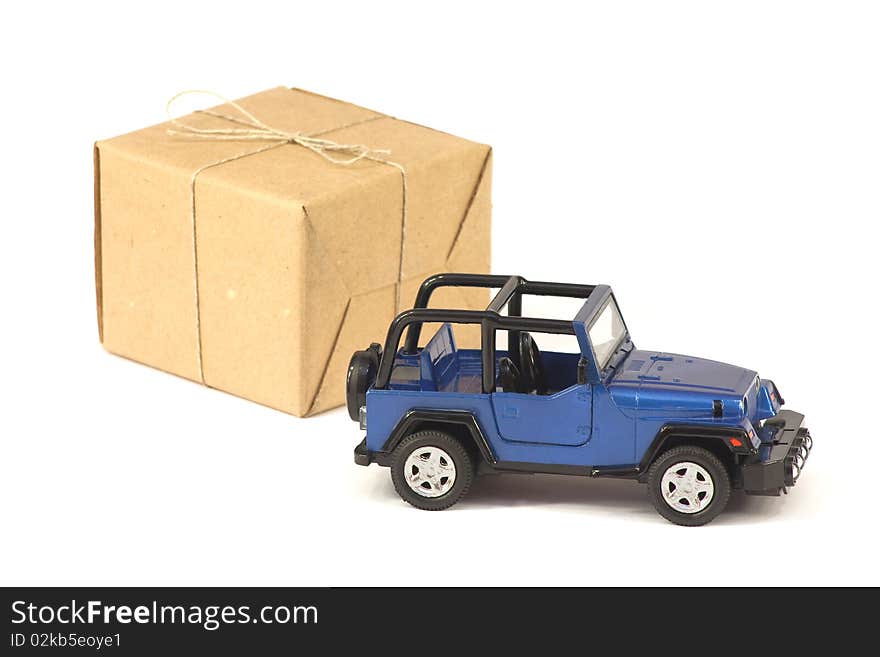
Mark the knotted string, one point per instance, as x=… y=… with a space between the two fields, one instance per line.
x=257 y=130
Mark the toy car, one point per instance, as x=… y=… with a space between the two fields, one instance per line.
x=692 y=429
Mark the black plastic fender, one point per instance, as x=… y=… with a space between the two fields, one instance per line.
x=696 y=434
x=437 y=418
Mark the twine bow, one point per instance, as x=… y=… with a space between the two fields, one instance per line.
x=257 y=130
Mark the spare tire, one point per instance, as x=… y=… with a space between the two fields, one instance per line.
x=362 y=369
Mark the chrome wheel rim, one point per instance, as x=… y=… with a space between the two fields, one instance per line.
x=687 y=487
x=429 y=471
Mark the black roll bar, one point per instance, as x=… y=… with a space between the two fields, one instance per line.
x=512 y=288
x=490 y=322
x=432 y=283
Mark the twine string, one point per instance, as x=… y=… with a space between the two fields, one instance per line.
x=257 y=130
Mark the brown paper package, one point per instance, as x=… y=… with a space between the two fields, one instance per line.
x=296 y=260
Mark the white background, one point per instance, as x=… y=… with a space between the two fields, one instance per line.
x=717 y=163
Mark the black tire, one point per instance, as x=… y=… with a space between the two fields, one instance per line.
x=710 y=464
x=362 y=369
x=462 y=460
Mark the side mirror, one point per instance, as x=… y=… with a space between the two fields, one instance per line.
x=582 y=370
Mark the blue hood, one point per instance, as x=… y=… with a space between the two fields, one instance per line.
x=682 y=386
x=652 y=369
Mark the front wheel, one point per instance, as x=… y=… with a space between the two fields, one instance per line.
x=689 y=485
x=431 y=470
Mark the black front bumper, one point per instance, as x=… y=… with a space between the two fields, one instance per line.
x=781 y=458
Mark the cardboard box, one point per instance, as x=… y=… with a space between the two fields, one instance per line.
x=257 y=267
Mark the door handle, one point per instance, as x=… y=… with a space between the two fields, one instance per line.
x=511 y=412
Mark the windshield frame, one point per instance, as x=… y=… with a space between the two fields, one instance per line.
x=610 y=301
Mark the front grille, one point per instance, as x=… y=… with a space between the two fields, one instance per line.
x=797 y=456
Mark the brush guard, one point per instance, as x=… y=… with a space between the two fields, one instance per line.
x=781 y=458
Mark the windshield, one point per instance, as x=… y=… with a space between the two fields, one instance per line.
x=606 y=333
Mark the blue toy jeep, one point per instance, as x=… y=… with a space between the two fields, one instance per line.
x=692 y=429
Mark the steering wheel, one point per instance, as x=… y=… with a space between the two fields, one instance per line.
x=532 y=377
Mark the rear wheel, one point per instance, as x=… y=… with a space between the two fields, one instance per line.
x=431 y=470
x=689 y=485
